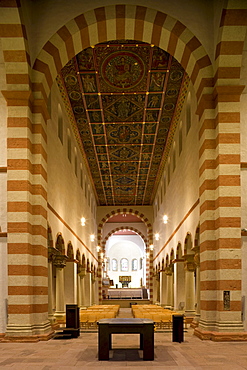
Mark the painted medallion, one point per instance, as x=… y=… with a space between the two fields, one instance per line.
x=122 y=70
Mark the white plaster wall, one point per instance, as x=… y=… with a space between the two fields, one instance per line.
x=182 y=192
x=65 y=194
x=136 y=239
x=44 y=17
x=129 y=250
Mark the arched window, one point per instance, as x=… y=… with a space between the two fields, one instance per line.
x=174 y=156
x=81 y=176
x=114 y=264
x=75 y=158
x=188 y=113
x=60 y=123
x=69 y=146
x=141 y=263
x=164 y=190
x=134 y=264
x=124 y=264
x=169 y=171
x=180 y=138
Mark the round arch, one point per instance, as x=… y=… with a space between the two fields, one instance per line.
x=97 y=26
x=122 y=228
x=126 y=211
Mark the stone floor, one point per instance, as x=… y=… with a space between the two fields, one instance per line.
x=81 y=353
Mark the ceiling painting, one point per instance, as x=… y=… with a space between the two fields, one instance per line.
x=125 y=100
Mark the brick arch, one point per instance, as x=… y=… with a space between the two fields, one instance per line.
x=49 y=237
x=179 y=251
x=197 y=237
x=126 y=211
x=97 y=26
x=60 y=243
x=78 y=256
x=122 y=228
x=70 y=251
x=186 y=240
x=172 y=255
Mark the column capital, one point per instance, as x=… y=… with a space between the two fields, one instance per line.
x=60 y=260
x=168 y=270
x=52 y=252
x=81 y=271
x=189 y=263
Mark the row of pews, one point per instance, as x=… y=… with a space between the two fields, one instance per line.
x=162 y=317
x=90 y=316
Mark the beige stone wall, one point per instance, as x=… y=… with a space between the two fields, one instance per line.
x=182 y=193
x=67 y=202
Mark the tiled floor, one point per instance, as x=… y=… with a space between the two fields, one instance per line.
x=81 y=353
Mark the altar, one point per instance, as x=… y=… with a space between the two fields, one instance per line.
x=126 y=293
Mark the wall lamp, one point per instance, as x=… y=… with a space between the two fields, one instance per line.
x=165 y=219
x=98 y=248
x=92 y=237
x=157 y=236
x=83 y=221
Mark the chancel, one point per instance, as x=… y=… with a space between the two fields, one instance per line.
x=123 y=163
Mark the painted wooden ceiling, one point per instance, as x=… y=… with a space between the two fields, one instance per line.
x=125 y=99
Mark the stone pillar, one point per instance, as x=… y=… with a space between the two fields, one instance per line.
x=189 y=266
x=78 y=286
x=70 y=282
x=163 y=287
x=179 y=284
x=51 y=256
x=81 y=285
x=87 y=289
x=27 y=231
x=93 y=286
x=99 y=277
x=156 y=288
x=196 y=319
x=151 y=293
x=169 y=286
x=60 y=262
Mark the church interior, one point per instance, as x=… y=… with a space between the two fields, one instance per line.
x=123 y=166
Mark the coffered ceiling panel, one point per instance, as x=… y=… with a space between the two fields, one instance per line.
x=125 y=99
